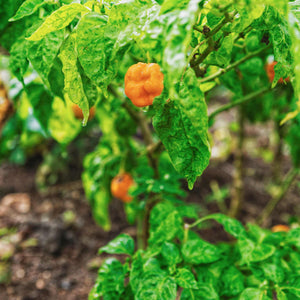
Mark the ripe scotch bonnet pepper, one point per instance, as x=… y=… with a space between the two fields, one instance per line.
x=120 y=185
x=280 y=228
x=143 y=82
x=79 y=114
x=271 y=72
x=5 y=104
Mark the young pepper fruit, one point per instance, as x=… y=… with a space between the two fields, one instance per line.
x=143 y=82
x=120 y=185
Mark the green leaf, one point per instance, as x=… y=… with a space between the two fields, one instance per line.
x=294 y=26
x=27 y=8
x=232 y=226
x=252 y=252
x=73 y=82
x=90 y=89
x=170 y=253
x=91 y=45
x=293 y=237
x=100 y=204
x=122 y=244
x=43 y=53
x=100 y=167
x=293 y=286
x=149 y=281
x=165 y=224
x=222 y=57
x=18 y=62
x=273 y=272
x=56 y=78
x=186 y=279
x=41 y=102
x=253 y=293
x=232 y=282
x=177 y=39
x=7 y=10
x=204 y=292
x=62 y=125
x=280 y=294
x=156 y=286
x=101 y=45
x=182 y=126
x=198 y=251
x=59 y=19
x=110 y=281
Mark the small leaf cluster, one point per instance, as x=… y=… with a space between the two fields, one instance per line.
x=179 y=264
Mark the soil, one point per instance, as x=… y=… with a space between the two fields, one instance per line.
x=53 y=257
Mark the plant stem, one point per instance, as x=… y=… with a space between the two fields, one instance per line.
x=288 y=181
x=140 y=232
x=245 y=99
x=155 y=148
x=210 y=47
x=178 y=296
x=140 y=118
x=237 y=192
x=153 y=162
x=197 y=29
x=277 y=162
x=233 y=65
x=228 y=17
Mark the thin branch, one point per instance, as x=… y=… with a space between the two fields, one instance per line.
x=197 y=29
x=3 y=51
x=139 y=117
x=228 y=17
x=233 y=65
x=152 y=150
x=245 y=99
x=155 y=148
x=191 y=56
x=288 y=181
x=210 y=47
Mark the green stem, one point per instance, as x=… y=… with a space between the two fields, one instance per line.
x=140 y=232
x=210 y=47
x=228 y=17
x=245 y=99
x=197 y=28
x=277 y=161
x=141 y=120
x=186 y=233
x=237 y=191
x=233 y=65
x=288 y=181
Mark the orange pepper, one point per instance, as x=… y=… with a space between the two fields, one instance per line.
x=120 y=185
x=78 y=112
x=271 y=72
x=5 y=105
x=143 y=82
x=280 y=228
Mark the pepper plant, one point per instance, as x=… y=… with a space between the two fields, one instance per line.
x=78 y=52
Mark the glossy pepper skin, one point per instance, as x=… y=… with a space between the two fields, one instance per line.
x=78 y=112
x=143 y=82
x=271 y=72
x=5 y=105
x=120 y=185
x=280 y=228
